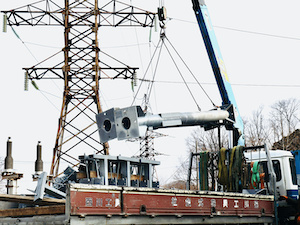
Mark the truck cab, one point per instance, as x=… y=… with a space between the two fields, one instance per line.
x=284 y=168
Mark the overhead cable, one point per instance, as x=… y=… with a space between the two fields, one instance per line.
x=23 y=43
x=240 y=30
x=135 y=96
x=258 y=33
x=26 y=76
x=233 y=84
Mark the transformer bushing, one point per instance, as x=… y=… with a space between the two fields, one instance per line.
x=38 y=162
x=9 y=174
x=9 y=162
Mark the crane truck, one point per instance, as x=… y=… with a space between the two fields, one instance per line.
x=227 y=95
x=280 y=165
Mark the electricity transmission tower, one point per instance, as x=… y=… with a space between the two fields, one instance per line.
x=82 y=67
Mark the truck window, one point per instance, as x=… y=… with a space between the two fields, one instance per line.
x=277 y=170
x=293 y=171
x=276 y=166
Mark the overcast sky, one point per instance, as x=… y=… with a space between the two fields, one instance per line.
x=259 y=41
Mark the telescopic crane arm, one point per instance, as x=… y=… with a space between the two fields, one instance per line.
x=219 y=70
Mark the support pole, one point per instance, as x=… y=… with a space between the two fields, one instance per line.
x=188 y=183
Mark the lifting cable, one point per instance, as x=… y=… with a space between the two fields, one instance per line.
x=182 y=77
x=150 y=86
x=191 y=73
x=151 y=82
x=149 y=89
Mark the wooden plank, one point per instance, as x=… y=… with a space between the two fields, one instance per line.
x=29 y=200
x=33 y=211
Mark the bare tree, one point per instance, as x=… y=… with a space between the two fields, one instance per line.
x=284 y=119
x=256 y=129
x=180 y=177
x=207 y=140
x=200 y=141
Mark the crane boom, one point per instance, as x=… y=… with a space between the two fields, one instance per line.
x=218 y=67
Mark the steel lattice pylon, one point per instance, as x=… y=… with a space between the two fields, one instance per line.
x=83 y=65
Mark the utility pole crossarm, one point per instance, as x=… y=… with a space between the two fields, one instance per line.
x=47 y=12
x=41 y=13
x=41 y=18
x=106 y=72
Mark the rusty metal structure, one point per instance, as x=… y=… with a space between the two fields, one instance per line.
x=83 y=65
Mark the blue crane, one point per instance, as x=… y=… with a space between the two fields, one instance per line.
x=219 y=70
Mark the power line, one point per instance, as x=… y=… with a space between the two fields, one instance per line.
x=268 y=85
x=31 y=53
x=42 y=45
x=258 y=33
x=240 y=30
x=234 y=84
